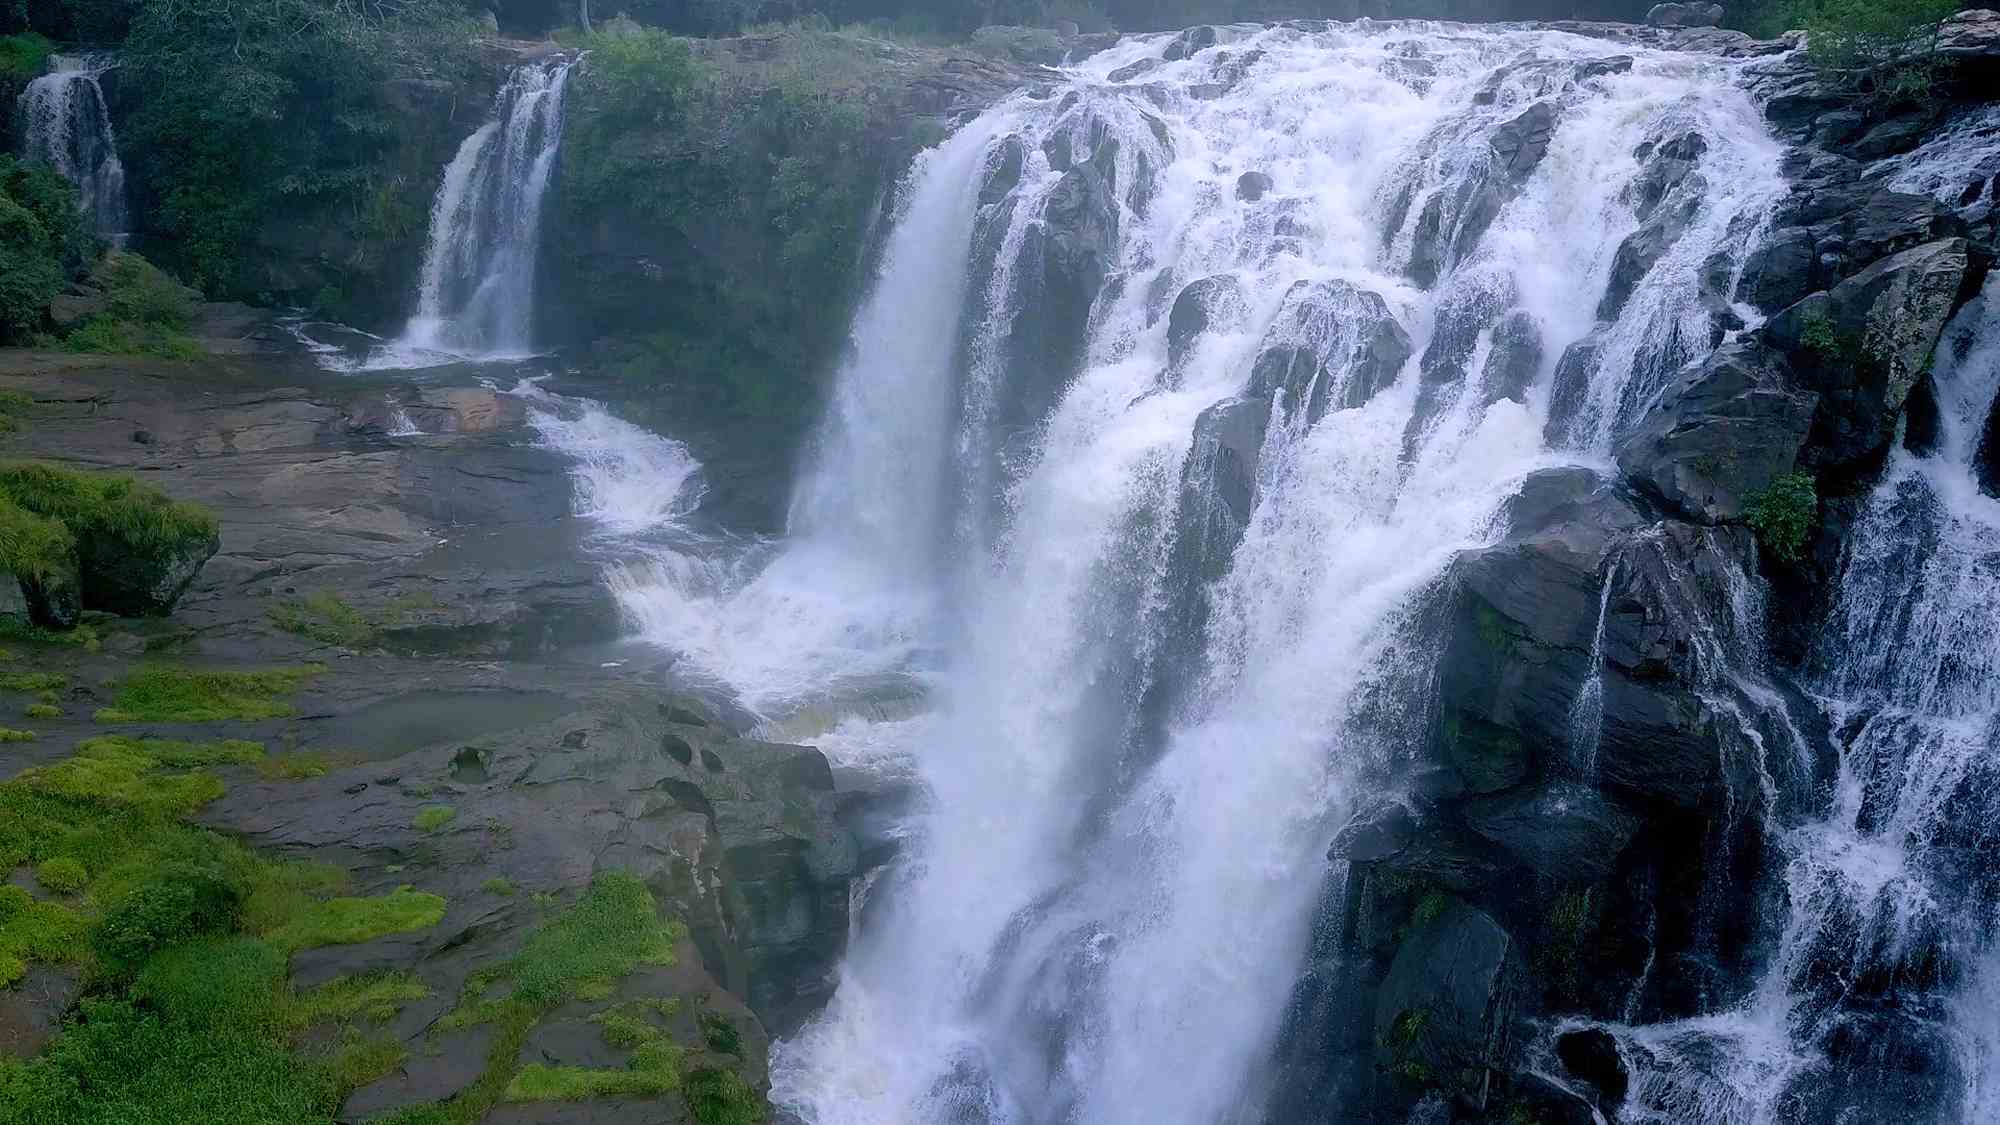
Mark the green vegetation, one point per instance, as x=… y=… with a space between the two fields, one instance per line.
x=14 y=628
x=304 y=764
x=691 y=139
x=1784 y=515
x=128 y=771
x=62 y=875
x=434 y=817
x=252 y=110
x=45 y=242
x=165 y=693
x=1884 y=47
x=719 y=1033
x=499 y=885
x=25 y=55
x=654 y=1069
x=32 y=681
x=324 y=617
x=146 y=313
x=720 y=1097
x=183 y=936
x=94 y=540
x=350 y=921
x=9 y=735
x=43 y=711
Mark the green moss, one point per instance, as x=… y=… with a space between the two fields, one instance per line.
x=499 y=885
x=1784 y=515
x=9 y=735
x=1430 y=908
x=304 y=764
x=719 y=1033
x=377 y=997
x=104 y=335
x=348 y=921
x=32 y=681
x=167 y=693
x=324 y=617
x=146 y=312
x=63 y=875
x=720 y=1097
x=433 y=818
x=42 y=711
x=13 y=628
x=122 y=771
x=38 y=931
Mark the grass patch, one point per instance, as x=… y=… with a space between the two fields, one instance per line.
x=43 y=711
x=106 y=514
x=10 y=735
x=718 y=1096
x=36 y=931
x=305 y=764
x=654 y=1068
x=127 y=771
x=32 y=681
x=499 y=885
x=376 y=996
x=323 y=617
x=171 y=694
x=433 y=818
x=350 y=921
x=26 y=55
x=146 y=313
x=20 y=629
x=63 y=875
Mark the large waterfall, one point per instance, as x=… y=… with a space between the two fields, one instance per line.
x=1183 y=382
x=1164 y=608
x=476 y=295
x=66 y=124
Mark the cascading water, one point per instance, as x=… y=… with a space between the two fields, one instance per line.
x=476 y=295
x=1158 y=554
x=66 y=124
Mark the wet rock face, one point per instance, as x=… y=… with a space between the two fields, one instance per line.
x=1445 y=1014
x=1863 y=345
x=1450 y=226
x=1331 y=346
x=1678 y=15
x=1721 y=434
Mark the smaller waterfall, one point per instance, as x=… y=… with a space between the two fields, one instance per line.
x=476 y=296
x=67 y=125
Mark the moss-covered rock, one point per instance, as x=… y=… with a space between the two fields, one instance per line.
x=79 y=541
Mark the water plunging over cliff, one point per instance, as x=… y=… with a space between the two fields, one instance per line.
x=66 y=124
x=1173 y=400
x=476 y=295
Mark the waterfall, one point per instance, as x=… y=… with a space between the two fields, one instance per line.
x=66 y=124
x=1172 y=402
x=476 y=295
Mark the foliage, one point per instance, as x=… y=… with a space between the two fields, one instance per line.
x=146 y=313
x=770 y=145
x=250 y=108
x=499 y=885
x=35 y=931
x=179 y=902
x=102 y=512
x=25 y=55
x=376 y=996
x=8 y=734
x=304 y=764
x=126 y=771
x=45 y=241
x=167 y=693
x=721 y=1097
x=62 y=875
x=1784 y=514
x=43 y=711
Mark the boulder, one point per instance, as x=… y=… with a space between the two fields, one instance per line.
x=1003 y=169
x=1681 y=15
x=1591 y=1055
x=1190 y=43
x=1561 y=831
x=1643 y=248
x=1253 y=186
x=1203 y=306
x=1331 y=346
x=1445 y=1013
x=1138 y=69
x=1835 y=225
x=1863 y=345
x=1452 y=223
x=134 y=580
x=1721 y=433
x=1513 y=359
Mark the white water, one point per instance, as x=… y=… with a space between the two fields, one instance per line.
x=476 y=293
x=1090 y=931
x=66 y=124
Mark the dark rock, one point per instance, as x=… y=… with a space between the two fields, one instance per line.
x=1445 y=1012
x=1835 y=225
x=1679 y=15
x=1519 y=145
x=1222 y=473
x=1838 y=126
x=1003 y=169
x=1643 y=248
x=1986 y=464
x=1864 y=345
x=450 y=1062
x=1331 y=346
x=1449 y=228
x=1591 y=1055
x=1560 y=831
x=140 y=580
x=32 y=1009
x=1898 y=134
x=1189 y=43
x=1721 y=433
x=1138 y=69
x=1376 y=833
x=55 y=599
x=1201 y=307
x=1513 y=360
x=1253 y=186
x=1780 y=271
x=1972 y=36
x=1570 y=390
x=1548 y=1102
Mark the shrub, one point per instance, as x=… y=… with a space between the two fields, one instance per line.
x=350 y=921
x=720 y=1097
x=43 y=711
x=9 y=735
x=146 y=312
x=179 y=903
x=322 y=616
x=1784 y=514
x=45 y=240
x=25 y=55
x=62 y=875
